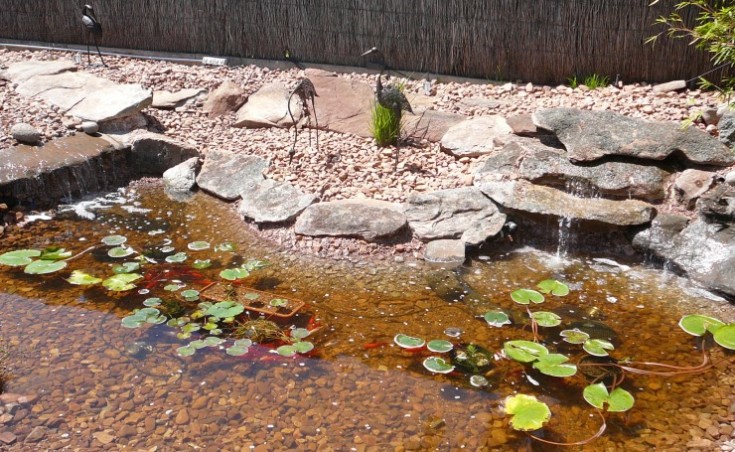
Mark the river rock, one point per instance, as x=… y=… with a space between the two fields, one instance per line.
x=530 y=159
x=525 y=196
x=691 y=184
x=181 y=177
x=705 y=250
x=476 y=136
x=268 y=107
x=90 y=127
x=153 y=153
x=228 y=97
x=368 y=219
x=727 y=128
x=479 y=232
x=269 y=201
x=226 y=174
x=7 y=438
x=718 y=204
x=674 y=85
x=36 y=435
x=591 y=135
x=343 y=105
x=445 y=251
x=25 y=133
x=447 y=214
x=730 y=178
x=169 y=100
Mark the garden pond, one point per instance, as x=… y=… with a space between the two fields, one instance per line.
x=221 y=341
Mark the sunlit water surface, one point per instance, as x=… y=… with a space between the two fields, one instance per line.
x=97 y=382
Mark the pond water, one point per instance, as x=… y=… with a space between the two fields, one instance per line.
x=92 y=382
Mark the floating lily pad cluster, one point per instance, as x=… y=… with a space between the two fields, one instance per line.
x=434 y=364
x=595 y=347
x=37 y=262
x=551 y=364
x=699 y=325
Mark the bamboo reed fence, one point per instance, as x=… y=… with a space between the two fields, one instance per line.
x=543 y=41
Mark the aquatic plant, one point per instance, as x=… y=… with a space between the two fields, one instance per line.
x=439 y=346
x=408 y=342
x=527 y=412
x=437 y=365
x=142 y=316
x=618 y=400
x=496 y=318
x=698 y=325
x=49 y=260
x=198 y=245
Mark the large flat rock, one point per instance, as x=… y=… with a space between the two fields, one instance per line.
x=154 y=153
x=476 y=136
x=525 y=196
x=226 y=174
x=268 y=107
x=40 y=176
x=269 y=201
x=20 y=72
x=591 y=135
x=79 y=94
x=430 y=125
x=447 y=214
x=368 y=219
x=343 y=105
x=528 y=158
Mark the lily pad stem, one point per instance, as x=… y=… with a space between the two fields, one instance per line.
x=576 y=443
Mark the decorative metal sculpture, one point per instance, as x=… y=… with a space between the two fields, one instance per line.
x=92 y=27
x=304 y=90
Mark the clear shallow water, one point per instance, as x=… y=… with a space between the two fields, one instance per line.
x=95 y=384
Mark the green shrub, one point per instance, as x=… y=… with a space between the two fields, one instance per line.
x=595 y=81
x=385 y=125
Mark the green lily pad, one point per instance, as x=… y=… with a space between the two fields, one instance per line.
x=172 y=287
x=239 y=348
x=186 y=350
x=251 y=296
x=121 y=282
x=114 y=240
x=697 y=325
x=18 y=258
x=176 y=258
x=254 y=264
x=286 y=350
x=546 y=319
x=526 y=296
x=126 y=267
x=120 y=251
x=555 y=365
x=141 y=316
x=151 y=302
x=478 y=381
x=575 y=336
x=41 y=267
x=528 y=413
x=200 y=264
x=54 y=253
x=278 y=302
x=225 y=246
x=190 y=293
x=553 y=287
x=198 y=245
x=438 y=365
x=725 y=336
x=597 y=347
x=496 y=318
x=303 y=346
x=167 y=249
x=439 y=346
x=209 y=326
x=232 y=274
x=225 y=309
x=524 y=351
x=408 y=342
x=299 y=333
x=618 y=400
x=80 y=278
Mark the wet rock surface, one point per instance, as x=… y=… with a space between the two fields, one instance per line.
x=181 y=177
x=154 y=153
x=365 y=218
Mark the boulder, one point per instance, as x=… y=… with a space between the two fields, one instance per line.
x=529 y=159
x=368 y=219
x=228 y=97
x=704 y=250
x=24 y=70
x=522 y=125
x=525 y=196
x=451 y=252
x=591 y=135
x=718 y=204
x=691 y=184
x=153 y=153
x=430 y=125
x=478 y=233
x=727 y=128
x=268 y=201
x=25 y=133
x=268 y=107
x=343 y=105
x=226 y=174
x=674 y=85
x=169 y=100
x=448 y=214
x=123 y=125
x=476 y=136
x=90 y=127
x=181 y=177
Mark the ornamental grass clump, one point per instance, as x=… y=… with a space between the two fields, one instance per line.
x=385 y=125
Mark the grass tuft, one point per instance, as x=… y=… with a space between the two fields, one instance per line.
x=385 y=126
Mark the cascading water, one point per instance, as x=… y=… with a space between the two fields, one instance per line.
x=581 y=189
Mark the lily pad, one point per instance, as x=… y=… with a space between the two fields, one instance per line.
x=172 y=287
x=225 y=309
x=42 y=267
x=176 y=258
x=121 y=282
x=190 y=294
x=496 y=318
x=200 y=264
x=151 y=302
x=299 y=333
x=439 y=346
x=54 y=253
x=198 y=245
x=114 y=240
x=478 y=381
x=553 y=287
x=18 y=258
x=725 y=336
x=286 y=350
x=546 y=319
x=303 y=346
x=618 y=400
x=597 y=347
x=141 y=316
x=408 y=342
x=80 y=278
x=574 y=336
x=120 y=251
x=167 y=249
x=528 y=413
x=698 y=325
x=186 y=350
x=251 y=296
x=526 y=296
x=232 y=274
x=126 y=267
x=254 y=264
x=225 y=246
x=524 y=351
x=555 y=365
x=438 y=365
x=239 y=348
x=278 y=303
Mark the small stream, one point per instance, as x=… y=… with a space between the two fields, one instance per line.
x=94 y=384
